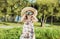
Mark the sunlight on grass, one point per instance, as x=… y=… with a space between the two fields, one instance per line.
x=10 y=24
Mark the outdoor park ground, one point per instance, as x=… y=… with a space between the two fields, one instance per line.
x=14 y=30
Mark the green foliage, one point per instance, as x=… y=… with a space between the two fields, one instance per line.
x=10 y=33
x=48 y=7
x=47 y=33
x=40 y=33
x=15 y=6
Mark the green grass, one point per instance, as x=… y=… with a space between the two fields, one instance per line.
x=37 y=24
x=47 y=32
x=10 y=24
x=40 y=33
x=10 y=33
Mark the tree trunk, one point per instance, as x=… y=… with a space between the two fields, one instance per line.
x=42 y=23
x=43 y=20
x=51 y=20
x=5 y=18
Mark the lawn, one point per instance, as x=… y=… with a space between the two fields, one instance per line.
x=10 y=24
x=48 y=32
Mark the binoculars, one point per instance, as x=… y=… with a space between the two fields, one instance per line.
x=29 y=13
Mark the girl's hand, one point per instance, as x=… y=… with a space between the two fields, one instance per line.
x=34 y=19
x=23 y=17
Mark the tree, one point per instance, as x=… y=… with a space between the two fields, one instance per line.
x=46 y=9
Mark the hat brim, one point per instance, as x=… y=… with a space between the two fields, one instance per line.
x=29 y=9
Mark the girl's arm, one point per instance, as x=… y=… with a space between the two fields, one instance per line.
x=23 y=18
x=34 y=19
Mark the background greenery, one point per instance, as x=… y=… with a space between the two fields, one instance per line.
x=40 y=33
x=47 y=32
x=48 y=16
x=48 y=10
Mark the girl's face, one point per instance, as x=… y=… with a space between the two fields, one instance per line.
x=29 y=14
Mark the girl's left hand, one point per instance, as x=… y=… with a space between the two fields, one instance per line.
x=34 y=19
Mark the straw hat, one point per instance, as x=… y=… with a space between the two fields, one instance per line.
x=29 y=9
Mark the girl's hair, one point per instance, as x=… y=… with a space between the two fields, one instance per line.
x=26 y=17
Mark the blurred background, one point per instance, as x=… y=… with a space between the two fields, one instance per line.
x=48 y=10
x=48 y=16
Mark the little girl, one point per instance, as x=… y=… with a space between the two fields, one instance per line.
x=28 y=28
